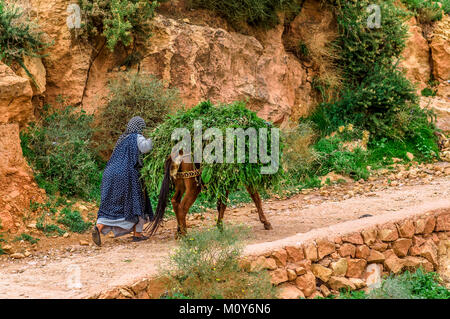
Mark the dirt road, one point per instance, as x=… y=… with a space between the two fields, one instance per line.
x=119 y=262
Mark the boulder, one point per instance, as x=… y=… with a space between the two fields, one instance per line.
x=292 y=275
x=321 y=272
x=388 y=232
x=278 y=276
x=440 y=49
x=393 y=263
x=372 y=275
x=306 y=283
x=311 y=252
x=347 y=250
x=429 y=251
x=280 y=257
x=375 y=256
x=288 y=291
x=362 y=251
x=416 y=56
x=324 y=247
x=294 y=254
x=406 y=228
x=369 y=236
x=401 y=246
x=38 y=73
x=15 y=97
x=337 y=283
x=339 y=267
x=443 y=222
x=354 y=238
x=355 y=267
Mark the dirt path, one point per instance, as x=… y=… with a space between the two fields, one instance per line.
x=121 y=262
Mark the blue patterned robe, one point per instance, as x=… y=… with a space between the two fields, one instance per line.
x=122 y=194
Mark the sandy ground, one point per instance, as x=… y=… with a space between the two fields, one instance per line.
x=51 y=273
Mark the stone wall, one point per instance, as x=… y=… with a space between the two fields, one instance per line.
x=357 y=259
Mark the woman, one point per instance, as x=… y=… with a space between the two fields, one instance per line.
x=125 y=206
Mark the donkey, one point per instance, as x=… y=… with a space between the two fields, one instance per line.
x=187 y=181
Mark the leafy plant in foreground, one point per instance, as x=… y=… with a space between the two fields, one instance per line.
x=206 y=265
x=73 y=220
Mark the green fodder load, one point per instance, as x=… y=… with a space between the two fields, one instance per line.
x=218 y=178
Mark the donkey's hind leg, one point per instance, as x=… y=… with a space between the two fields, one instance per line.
x=221 y=207
x=192 y=191
x=180 y=189
x=257 y=200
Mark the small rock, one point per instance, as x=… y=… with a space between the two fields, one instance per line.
x=17 y=256
x=409 y=156
x=7 y=249
x=125 y=293
x=84 y=243
x=337 y=283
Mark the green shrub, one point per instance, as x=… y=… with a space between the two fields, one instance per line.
x=206 y=265
x=253 y=12
x=362 y=48
x=60 y=151
x=120 y=21
x=428 y=92
x=73 y=220
x=426 y=11
x=133 y=94
x=333 y=157
x=19 y=36
x=445 y=6
x=418 y=285
x=384 y=103
x=26 y=237
x=47 y=228
x=217 y=177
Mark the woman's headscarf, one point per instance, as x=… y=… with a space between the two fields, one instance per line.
x=135 y=125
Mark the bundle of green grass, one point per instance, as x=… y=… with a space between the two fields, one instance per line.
x=218 y=178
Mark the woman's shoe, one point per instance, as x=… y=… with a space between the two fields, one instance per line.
x=96 y=236
x=139 y=238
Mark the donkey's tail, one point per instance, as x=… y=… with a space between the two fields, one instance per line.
x=162 y=200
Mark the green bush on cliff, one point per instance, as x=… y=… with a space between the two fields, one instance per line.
x=134 y=94
x=253 y=12
x=59 y=149
x=362 y=45
x=19 y=36
x=426 y=11
x=119 y=21
x=377 y=96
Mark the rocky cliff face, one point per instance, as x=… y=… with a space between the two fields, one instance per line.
x=199 y=54
x=206 y=60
